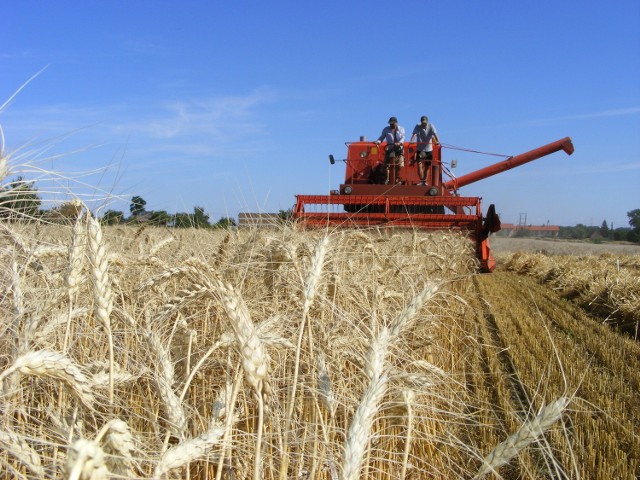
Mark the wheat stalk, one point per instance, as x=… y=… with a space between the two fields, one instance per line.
x=360 y=429
x=310 y=286
x=526 y=434
x=255 y=361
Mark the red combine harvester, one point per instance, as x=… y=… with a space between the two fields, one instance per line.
x=364 y=200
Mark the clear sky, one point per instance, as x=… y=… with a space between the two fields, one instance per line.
x=234 y=106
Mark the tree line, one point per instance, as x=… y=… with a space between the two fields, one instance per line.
x=20 y=200
x=602 y=233
x=139 y=213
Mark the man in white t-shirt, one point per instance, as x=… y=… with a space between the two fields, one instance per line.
x=425 y=133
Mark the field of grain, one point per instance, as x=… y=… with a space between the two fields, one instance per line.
x=156 y=353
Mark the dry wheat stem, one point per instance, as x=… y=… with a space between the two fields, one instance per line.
x=408 y=396
x=528 y=432
x=197 y=367
x=4 y=168
x=230 y=418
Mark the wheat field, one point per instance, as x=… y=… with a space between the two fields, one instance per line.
x=280 y=353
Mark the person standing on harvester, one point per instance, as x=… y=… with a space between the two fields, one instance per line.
x=425 y=133
x=394 y=153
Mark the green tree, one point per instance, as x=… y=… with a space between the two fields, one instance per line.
x=160 y=218
x=137 y=205
x=634 y=219
x=620 y=234
x=225 y=222
x=19 y=199
x=285 y=216
x=112 y=217
x=183 y=220
x=604 y=229
x=64 y=213
x=200 y=218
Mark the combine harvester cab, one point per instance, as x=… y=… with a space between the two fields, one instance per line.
x=365 y=200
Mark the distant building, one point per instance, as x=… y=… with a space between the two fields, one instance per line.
x=548 y=231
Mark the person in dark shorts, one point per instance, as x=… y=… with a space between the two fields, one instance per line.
x=394 y=153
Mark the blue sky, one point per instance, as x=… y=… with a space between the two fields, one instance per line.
x=234 y=106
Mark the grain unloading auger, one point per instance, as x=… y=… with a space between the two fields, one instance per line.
x=364 y=200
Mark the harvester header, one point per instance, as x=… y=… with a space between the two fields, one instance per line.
x=370 y=197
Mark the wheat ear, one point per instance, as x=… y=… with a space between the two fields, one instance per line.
x=74 y=273
x=48 y=364
x=360 y=429
x=119 y=442
x=526 y=434
x=86 y=461
x=324 y=385
x=20 y=450
x=16 y=290
x=188 y=451
x=310 y=287
x=163 y=381
x=102 y=294
x=255 y=361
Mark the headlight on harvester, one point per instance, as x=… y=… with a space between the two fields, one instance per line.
x=433 y=191
x=348 y=190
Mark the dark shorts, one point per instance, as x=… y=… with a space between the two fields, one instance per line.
x=424 y=156
x=394 y=156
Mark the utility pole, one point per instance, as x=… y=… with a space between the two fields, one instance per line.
x=522 y=223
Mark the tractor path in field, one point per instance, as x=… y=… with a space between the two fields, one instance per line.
x=547 y=347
